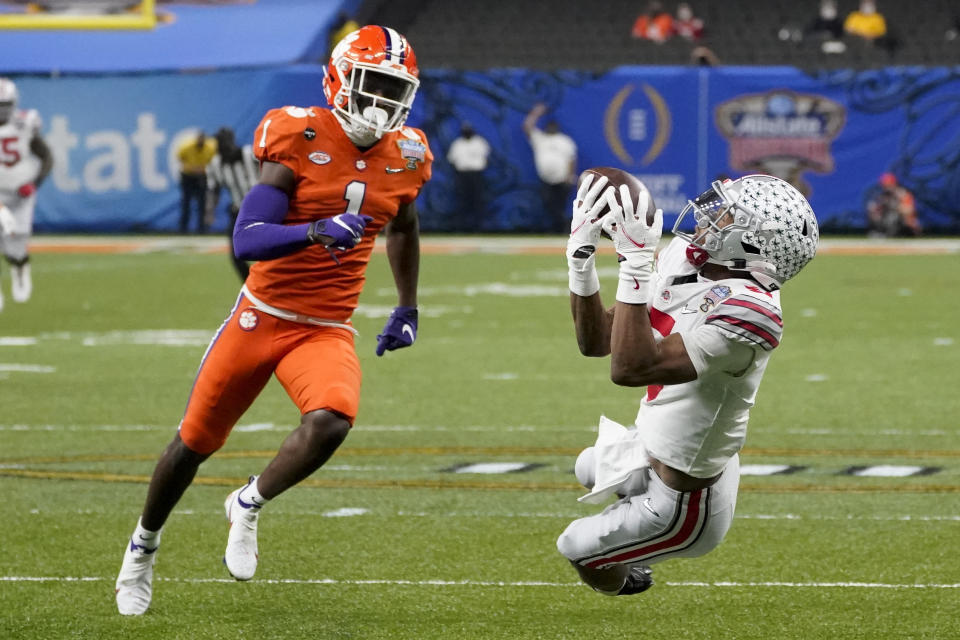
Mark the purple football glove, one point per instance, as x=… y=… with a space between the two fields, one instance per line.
x=400 y=330
x=340 y=232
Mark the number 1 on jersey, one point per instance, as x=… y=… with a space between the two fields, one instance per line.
x=354 y=196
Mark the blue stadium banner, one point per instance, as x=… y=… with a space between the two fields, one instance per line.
x=677 y=128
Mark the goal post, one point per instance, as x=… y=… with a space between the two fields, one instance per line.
x=142 y=17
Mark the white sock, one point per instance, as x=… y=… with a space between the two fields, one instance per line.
x=145 y=538
x=249 y=497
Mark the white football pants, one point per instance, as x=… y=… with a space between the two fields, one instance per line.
x=656 y=525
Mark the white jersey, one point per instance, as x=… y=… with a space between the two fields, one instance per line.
x=18 y=165
x=729 y=328
x=553 y=155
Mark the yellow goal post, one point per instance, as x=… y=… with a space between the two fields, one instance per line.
x=142 y=17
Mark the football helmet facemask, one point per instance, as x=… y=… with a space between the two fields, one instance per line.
x=8 y=99
x=371 y=81
x=758 y=223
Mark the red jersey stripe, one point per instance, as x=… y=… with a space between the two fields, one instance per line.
x=663 y=323
x=747 y=326
x=746 y=304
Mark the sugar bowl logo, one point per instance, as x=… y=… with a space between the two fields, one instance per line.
x=781 y=133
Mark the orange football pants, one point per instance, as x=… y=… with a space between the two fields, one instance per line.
x=317 y=366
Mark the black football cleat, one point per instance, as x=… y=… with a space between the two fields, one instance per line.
x=639 y=580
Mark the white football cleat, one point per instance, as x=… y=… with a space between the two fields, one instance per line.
x=22 y=282
x=241 y=555
x=135 y=582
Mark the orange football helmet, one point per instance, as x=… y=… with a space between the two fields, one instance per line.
x=371 y=81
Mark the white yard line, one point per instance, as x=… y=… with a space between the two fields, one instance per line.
x=498 y=583
x=350 y=511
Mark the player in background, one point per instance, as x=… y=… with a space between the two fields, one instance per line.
x=235 y=169
x=330 y=181
x=25 y=162
x=697 y=330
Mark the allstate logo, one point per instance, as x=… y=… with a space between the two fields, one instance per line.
x=781 y=133
x=248 y=320
x=637 y=125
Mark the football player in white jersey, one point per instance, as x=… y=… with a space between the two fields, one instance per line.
x=25 y=162
x=695 y=326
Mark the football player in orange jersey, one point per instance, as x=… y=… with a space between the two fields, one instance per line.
x=330 y=180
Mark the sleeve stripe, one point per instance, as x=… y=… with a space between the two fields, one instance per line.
x=752 y=317
x=743 y=328
x=759 y=307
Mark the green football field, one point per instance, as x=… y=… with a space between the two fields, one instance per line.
x=848 y=523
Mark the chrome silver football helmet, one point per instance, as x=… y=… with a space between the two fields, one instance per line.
x=8 y=99
x=758 y=223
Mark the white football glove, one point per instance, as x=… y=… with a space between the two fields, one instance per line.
x=635 y=242
x=7 y=222
x=584 y=236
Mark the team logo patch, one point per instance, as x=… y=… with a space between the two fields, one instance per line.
x=248 y=320
x=309 y=133
x=666 y=295
x=319 y=157
x=714 y=297
x=361 y=165
x=413 y=151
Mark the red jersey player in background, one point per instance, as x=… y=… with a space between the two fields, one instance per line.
x=330 y=180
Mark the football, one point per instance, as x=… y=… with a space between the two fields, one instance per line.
x=617 y=177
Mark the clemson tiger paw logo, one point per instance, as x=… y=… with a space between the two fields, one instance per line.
x=248 y=320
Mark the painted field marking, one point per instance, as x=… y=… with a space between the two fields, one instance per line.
x=14 y=367
x=497 y=583
x=768 y=469
x=456 y=245
x=443 y=483
x=890 y=471
x=280 y=510
x=770 y=452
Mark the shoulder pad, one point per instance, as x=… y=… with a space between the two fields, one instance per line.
x=750 y=318
x=280 y=131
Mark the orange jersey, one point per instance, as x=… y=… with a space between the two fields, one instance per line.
x=332 y=177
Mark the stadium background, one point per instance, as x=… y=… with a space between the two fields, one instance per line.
x=847 y=520
x=117 y=104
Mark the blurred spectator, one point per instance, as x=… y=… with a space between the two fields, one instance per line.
x=468 y=155
x=953 y=32
x=555 y=158
x=866 y=22
x=235 y=169
x=827 y=24
x=686 y=24
x=828 y=28
x=654 y=24
x=194 y=156
x=703 y=56
x=891 y=210
x=343 y=26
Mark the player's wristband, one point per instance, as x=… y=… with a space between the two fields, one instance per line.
x=584 y=283
x=633 y=287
